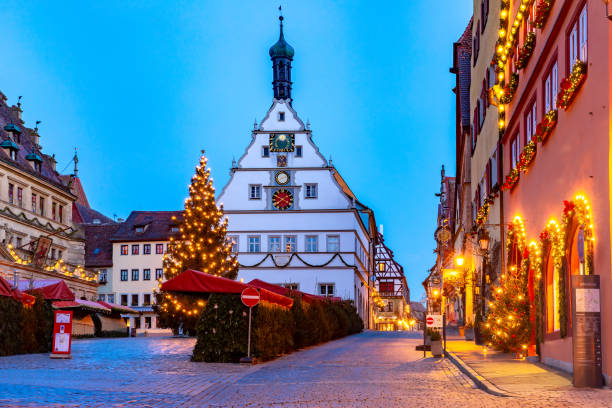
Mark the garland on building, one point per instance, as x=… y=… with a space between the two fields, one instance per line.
x=526 y=51
x=545 y=128
x=510 y=89
x=507 y=324
x=542 y=12
x=483 y=212
x=571 y=85
x=511 y=179
x=535 y=262
x=202 y=245
x=526 y=156
x=553 y=239
x=508 y=36
x=579 y=210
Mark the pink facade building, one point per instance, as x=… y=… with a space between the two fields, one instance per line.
x=555 y=160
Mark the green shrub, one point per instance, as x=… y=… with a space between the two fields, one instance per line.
x=25 y=329
x=222 y=328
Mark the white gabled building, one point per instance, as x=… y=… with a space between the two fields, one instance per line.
x=293 y=218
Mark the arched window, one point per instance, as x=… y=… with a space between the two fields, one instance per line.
x=552 y=295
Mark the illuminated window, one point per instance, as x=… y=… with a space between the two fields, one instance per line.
x=552 y=284
x=124 y=250
x=577 y=39
x=290 y=243
x=159 y=248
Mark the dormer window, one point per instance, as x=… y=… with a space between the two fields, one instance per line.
x=12 y=148
x=139 y=229
x=35 y=160
x=174 y=229
x=281 y=116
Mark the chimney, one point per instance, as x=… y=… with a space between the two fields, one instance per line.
x=36 y=138
x=53 y=162
x=17 y=111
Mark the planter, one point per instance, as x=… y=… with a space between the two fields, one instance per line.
x=461 y=330
x=436 y=348
x=469 y=334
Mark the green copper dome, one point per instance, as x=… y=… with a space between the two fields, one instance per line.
x=281 y=48
x=12 y=128
x=9 y=144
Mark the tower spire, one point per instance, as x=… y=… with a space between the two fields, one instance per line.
x=76 y=162
x=281 y=54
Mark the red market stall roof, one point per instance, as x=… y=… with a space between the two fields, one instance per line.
x=117 y=308
x=80 y=303
x=49 y=289
x=6 y=289
x=281 y=290
x=192 y=281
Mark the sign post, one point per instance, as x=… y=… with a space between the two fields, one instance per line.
x=250 y=297
x=586 y=336
x=62 y=334
x=434 y=321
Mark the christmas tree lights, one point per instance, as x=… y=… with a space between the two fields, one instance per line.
x=201 y=245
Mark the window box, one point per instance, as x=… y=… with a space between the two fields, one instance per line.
x=510 y=89
x=571 y=85
x=542 y=11
x=526 y=51
x=527 y=155
x=545 y=128
x=511 y=179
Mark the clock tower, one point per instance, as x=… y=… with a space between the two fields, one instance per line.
x=293 y=219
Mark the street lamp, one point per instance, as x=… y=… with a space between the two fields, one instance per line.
x=459 y=261
x=483 y=240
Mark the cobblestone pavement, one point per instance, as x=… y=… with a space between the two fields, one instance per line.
x=372 y=369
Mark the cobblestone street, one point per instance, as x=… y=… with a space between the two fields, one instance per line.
x=372 y=369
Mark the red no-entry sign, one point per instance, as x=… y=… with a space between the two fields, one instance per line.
x=430 y=321
x=250 y=297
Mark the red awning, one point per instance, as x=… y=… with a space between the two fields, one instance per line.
x=82 y=304
x=281 y=290
x=117 y=308
x=57 y=290
x=6 y=289
x=192 y=281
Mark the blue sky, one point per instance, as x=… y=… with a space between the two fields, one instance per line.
x=140 y=87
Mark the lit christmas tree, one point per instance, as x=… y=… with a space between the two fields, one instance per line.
x=508 y=326
x=202 y=245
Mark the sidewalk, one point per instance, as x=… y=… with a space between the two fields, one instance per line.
x=499 y=374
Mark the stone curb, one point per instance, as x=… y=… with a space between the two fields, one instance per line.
x=479 y=380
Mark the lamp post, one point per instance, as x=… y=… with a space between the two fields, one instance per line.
x=483 y=242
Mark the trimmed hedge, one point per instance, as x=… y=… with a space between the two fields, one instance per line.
x=222 y=329
x=25 y=329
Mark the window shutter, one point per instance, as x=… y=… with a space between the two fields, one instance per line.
x=547 y=93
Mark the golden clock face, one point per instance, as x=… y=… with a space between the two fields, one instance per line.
x=282 y=142
x=282 y=199
x=282 y=177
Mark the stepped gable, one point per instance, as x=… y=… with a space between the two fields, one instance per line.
x=156 y=226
